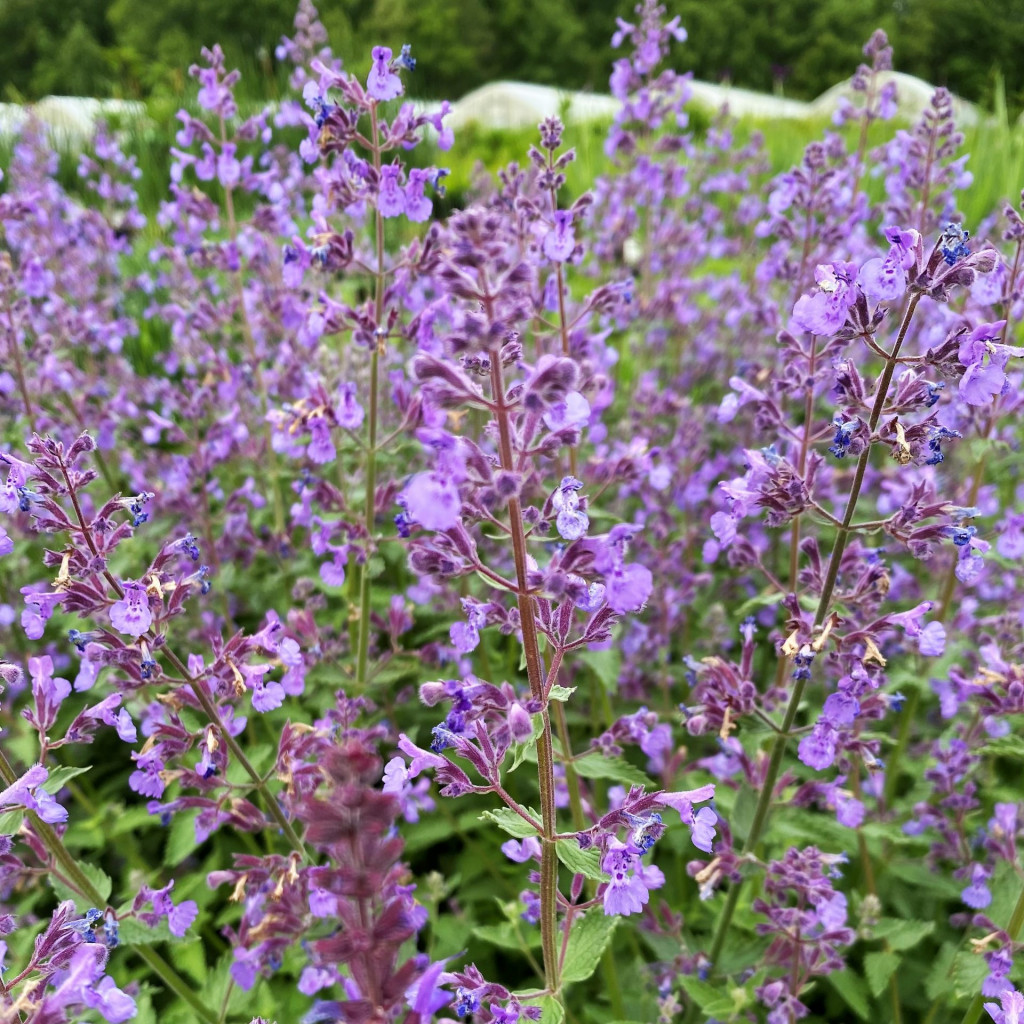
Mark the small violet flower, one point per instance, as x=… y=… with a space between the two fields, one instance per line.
x=131 y=615
x=382 y=83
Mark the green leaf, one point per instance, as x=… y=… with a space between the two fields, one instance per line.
x=181 y=838
x=559 y=692
x=583 y=862
x=551 y=1010
x=526 y=751
x=134 y=933
x=493 y=584
x=10 y=822
x=507 y=935
x=742 y=816
x=606 y=665
x=756 y=603
x=100 y=880
x=879 y=968
x=939 y=981
x=969 y=971
x=711 y=1000
x=588 y=938
x=58 y=778
x=508 y=821
x=902 y=934
x=853 y=991
x=919 y=876
x=1011 y=746
x=597 y=766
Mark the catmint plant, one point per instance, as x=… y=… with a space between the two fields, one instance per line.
x=383 y=587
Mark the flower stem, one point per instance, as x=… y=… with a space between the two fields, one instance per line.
x=535 y=674
x=828 y=589
x=81 y=882
x=197 y=688
x=370 y=508
x=250 y=342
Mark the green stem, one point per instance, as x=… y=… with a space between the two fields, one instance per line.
x=370 y=508
x=609 y=969
x=535 y=673
x=81 y=882
x=828 y=588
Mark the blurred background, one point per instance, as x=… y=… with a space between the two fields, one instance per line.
x=139 y=49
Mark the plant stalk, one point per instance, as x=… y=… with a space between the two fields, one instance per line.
x=828 y=589
x=370 y=508
x=535 y=674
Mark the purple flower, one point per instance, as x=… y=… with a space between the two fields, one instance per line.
x=886 y=279
x=146 y=780
x=817 y=750
x=84 y=984
x=631 y=883
x=627 y=892
x=322 y=903
x=627 y=587
x=977 y=894
x=702 y=824
x=1012 y=1011
x=267 y=696
x=985 y=360
x=417 y=206
x=131 y=615
x=27 y=792
x=348 y=411
x=521 y=852
x=824 y=312
x=702 y=831
x=390 y=198
x=572 y=521
x=47 y=691
x=560 y=240
x=313 y=979
x=382 y=83
x=6 y=544
x=433 y=501
x=932 y=641
x=321 y=448
x=180 y=918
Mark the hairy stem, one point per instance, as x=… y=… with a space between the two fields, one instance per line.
x=535 y=674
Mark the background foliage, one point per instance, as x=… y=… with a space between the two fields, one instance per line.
x=135 y=48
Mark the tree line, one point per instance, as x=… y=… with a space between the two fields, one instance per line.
x=140 y=49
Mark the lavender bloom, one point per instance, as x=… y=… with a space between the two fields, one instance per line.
x=1010 y=1009
x=383 y=84
x=132 y=615
x=985 y=359
x=571 y=521
x=885 y=280
x=825 y=311
x=631 y=882
x=560 y=241
x=977 y=894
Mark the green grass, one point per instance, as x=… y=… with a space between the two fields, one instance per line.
x=996 y=149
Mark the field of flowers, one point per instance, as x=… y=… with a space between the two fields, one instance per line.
x=594 y=607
